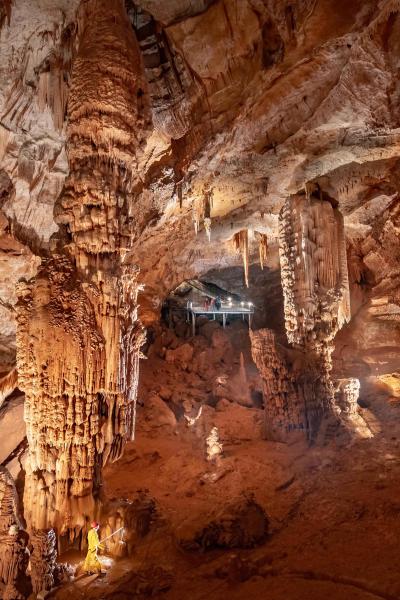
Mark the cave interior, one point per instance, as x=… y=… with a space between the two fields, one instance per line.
x=199 y=299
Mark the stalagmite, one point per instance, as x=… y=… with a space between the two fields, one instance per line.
x=78 y=335
x=214 y=446
x=241 y=243
x=43 y=560
x=292 y=388
x=284 y=409
x=9 y=514
x=346 y=394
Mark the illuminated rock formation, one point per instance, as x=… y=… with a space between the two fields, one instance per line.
x=314 y=271
x=314 y=281
x=9 y=513
x=13 y=541
x=346 y=395
x=14 y=558
x=241 y=244
x=78 y=330
x=214 y=447
x=43 y=560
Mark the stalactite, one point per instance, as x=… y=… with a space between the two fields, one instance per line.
x=54 y=74
x=196 y=218
x=262 y=248
x=207 y=214
x=207 y=227
x=241 y=243
x=80 y=372
x=53 y=92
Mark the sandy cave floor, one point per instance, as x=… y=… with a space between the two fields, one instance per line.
x=334 y=511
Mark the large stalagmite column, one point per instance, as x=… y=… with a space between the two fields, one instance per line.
x=316 y=291
x=79 y=336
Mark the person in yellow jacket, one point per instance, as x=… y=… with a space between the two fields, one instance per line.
x=92 y=563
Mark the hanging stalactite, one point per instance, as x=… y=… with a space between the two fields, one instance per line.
x=207 y=213
x=241 y=243
x=262 y=248
x=207 y=227
x=196 y=218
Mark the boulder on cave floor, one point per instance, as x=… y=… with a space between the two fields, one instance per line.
x=156 y=413
x=182 y=355
x=241 y=524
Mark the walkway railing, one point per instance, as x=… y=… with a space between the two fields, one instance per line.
x=227 y=308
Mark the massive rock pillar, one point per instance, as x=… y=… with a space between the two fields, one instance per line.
x=79 y=336
x=316 y=289
x=316 y=293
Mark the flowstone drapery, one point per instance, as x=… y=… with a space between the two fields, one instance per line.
x=79 y=336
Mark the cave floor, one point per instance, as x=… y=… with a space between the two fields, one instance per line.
x=333 y=509
x=335 y=525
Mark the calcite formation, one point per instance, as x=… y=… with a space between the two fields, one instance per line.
x=346 y=394
x=284 y=407
x=14 y=558
x=214 y=448
x=43 y=560
x=241 y=244
x=78 y=331
x=314 y=280
x=314 y=271
x=171 y=84
x=262 y=248
x=9 y=512
x=13 y=541
x=316 y=294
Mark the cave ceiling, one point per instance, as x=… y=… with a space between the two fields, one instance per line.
x=250 y=100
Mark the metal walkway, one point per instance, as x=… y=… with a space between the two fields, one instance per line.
x=194 y=311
